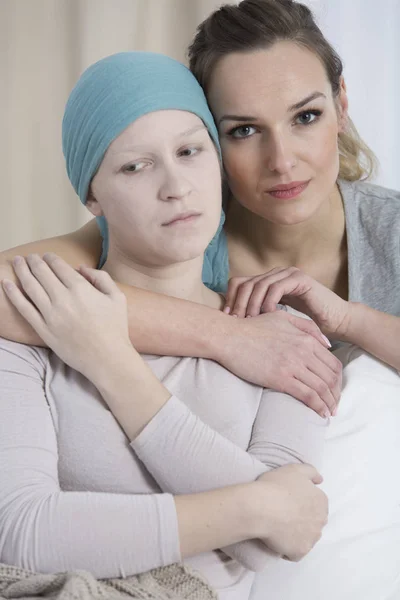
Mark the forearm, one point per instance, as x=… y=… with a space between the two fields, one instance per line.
x=168 y=326
x=158 y=324
x=376 y=332
x=110 y=534
x=184 y=455
x=164 y=431
x=286 y=432
x=210 y=460
x=46 y=530
x=129 y=387
x=217 y=518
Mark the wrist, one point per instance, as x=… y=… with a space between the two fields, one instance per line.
x=110 y=367
x=133 y=393
x=250 y=510
x=220 y=337
x=216 y=336
x=262 y=509
x=214 y=519
x=353 y=324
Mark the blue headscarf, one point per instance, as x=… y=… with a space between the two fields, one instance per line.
x=113 y=93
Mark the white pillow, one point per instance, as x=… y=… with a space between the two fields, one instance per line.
x=359 y=553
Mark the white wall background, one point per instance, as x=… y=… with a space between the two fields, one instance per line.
x=46 y=44
x=366 y=34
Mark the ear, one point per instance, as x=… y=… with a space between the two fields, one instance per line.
x=92 y=205
x=342 y=106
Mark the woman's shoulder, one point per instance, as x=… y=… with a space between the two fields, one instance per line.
x=373 y=242
x=371 y=208
x=369 y=195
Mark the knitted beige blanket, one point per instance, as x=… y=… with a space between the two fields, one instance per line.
x=175 y=582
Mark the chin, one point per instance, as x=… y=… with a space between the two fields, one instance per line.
x=289 y=215
x=184 y=253
x=288 y=219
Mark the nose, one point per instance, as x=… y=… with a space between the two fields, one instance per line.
x=279 y=156
x=174 y=185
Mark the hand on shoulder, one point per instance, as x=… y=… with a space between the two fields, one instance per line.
x=81 y=316
x=251 y=296
x=283 y=352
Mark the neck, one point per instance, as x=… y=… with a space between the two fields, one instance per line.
x=181 y=280
x=289 y=245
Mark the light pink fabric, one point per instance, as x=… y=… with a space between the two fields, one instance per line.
x=75 y=493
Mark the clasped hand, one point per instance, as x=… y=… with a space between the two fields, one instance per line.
x=251 y=296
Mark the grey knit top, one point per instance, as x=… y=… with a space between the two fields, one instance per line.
x=373 y=240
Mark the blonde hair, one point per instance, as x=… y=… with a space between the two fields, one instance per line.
x=256 y=24
x=356 y=159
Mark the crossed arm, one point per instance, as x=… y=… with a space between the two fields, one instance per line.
x=111 y=534
x=285 y=432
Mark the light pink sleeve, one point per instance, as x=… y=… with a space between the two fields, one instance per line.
x=185 y=455
x=47 y=530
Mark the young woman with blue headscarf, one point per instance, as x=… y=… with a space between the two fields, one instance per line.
x=117 y=463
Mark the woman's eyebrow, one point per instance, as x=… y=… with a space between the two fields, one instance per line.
x=191 y=130
x=141 y=147
x=241 y=118
x=306 y=100
x=247 y=118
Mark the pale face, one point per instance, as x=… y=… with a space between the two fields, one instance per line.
x=159 y=187
x=279 y=125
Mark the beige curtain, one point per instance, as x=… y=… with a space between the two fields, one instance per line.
x=44 y=47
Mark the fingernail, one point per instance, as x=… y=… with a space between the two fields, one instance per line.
x=327 y=341
x=234 y=316
x=227 y=310
x=17 y=260
x=248 y=316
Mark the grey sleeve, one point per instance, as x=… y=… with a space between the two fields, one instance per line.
x=185 y=455
x=47 y=530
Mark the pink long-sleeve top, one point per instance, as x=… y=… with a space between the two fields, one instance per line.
x=76 y=493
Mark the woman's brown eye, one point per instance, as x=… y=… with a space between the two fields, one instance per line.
x=189 y=151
